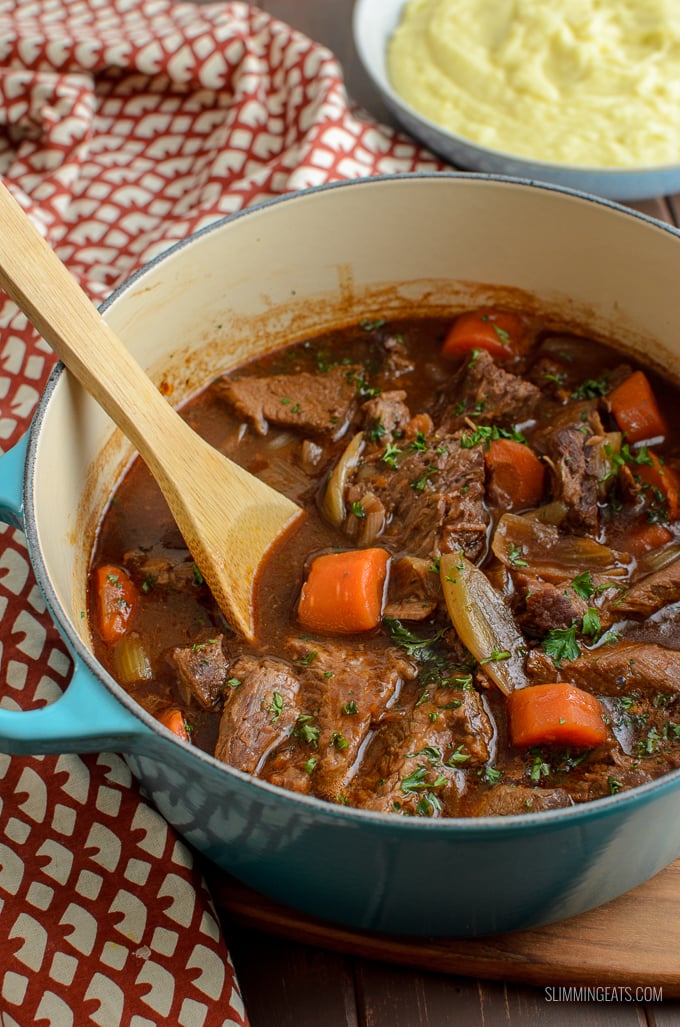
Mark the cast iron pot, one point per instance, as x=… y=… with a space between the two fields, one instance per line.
x=282 y=271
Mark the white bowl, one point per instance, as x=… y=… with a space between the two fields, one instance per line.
x=374 y=22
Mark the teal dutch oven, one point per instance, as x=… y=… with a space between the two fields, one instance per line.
x=280 y=271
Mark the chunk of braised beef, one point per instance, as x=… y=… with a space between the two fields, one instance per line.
x=614 y=670
x=486 y=393
x=648 y=595
x=318 y=404
x=396 y=361
x=414 y=589
x=345 y=692
x=385 y=416
x=431 y=492
x=510 y=799
x=261 y=708
x=569 y=367
x=162 y=567
x=202 y=670
x=617 y=773
x=568 y=443
x=547 y=607
x=416 y=762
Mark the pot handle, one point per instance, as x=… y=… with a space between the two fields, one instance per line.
x=86 y=718
x=12 y=464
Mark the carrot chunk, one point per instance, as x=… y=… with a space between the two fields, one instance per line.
x=664 y=483
x=116 y=600
x=557 y=713
x=174 y=720
x=635 y=409
x=647 y=536
x=344 y=591
x=517 y=476
x=497 y=331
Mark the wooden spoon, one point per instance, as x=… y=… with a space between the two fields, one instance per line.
x=229 y=519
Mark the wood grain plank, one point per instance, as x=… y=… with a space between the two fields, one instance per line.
x=292 y=985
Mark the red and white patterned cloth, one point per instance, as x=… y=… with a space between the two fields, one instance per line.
x=124 y=126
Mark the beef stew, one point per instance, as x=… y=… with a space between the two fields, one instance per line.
x=479 y=613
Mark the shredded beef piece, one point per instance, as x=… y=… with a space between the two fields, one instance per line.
x=203 y=670
x=258 y=713
x=614 y=670
x=567 y=442
x=432 y=496
x=321 y=404
x=486 y=393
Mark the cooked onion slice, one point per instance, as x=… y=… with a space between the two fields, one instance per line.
x=131 y=661
x=662 y=556
x=483 y=622
x=543 y=550
x=333 y=504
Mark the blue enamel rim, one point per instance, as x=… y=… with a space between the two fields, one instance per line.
x=483 y=826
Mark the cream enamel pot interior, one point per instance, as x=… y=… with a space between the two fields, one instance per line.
x=286 y=269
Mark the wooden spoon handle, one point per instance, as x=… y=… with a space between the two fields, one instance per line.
x=35 y=278
x=229 y=519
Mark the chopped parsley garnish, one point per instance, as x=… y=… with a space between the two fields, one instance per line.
x=591 y=624
x=419 y=648
x=308 y=658
x=487 y=433
x=591 y=388
x=428 y=804
x=390 y=455
x=515 y=557
x=583 y=585
x=496 y=656
x=276 y=706
x=420 y=483
x=490 y=775
x=416 y=781
x=305 y=730
x=419 y=444
x=377 y=430
x=457 y=757
x=539 y=768
x=560 y=645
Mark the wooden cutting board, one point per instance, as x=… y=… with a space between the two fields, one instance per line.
x=633 y=941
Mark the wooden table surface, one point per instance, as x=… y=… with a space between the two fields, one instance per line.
x=286 y=982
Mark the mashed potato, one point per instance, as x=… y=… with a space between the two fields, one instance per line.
x=586 y=82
